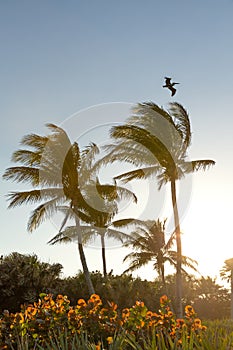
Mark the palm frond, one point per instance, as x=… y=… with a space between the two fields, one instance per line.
x=151 y=142
x=182 y=122
x=138 y=260
x=120 y=192
x=69 y=235
x=161 y=125
x=170 y=241
x=202 y=164
x=66 y=236
x=151 y=109
x=88 y=156
x=116 y=235
x=56 y=130
x=143 y=173
x=36 y=141
x=26 y=157
x=68 y=215
x=22 y=174
x=189 y=262
x=127 y=222
x=33 y=196
x=42 y=212
x=128 y=151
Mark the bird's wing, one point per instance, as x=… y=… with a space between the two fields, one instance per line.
x=167 y=81
x=173 y=90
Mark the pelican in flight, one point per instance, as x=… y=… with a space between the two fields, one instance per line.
x=170 y=85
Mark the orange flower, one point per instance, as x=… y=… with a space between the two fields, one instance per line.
x=30 y=311
x=163 y=300
x=94 y=298
x=81 y=302
x=125 y=313
x=169 y=314
x=112 y=305
x=60 y=297
x=139 y=303
x=179 y=322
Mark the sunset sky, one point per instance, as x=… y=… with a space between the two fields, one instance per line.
x=83 y=65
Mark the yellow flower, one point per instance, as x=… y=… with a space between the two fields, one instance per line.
x=189 y=310
x=197 y=322
x=19 y=317
x=109 y=340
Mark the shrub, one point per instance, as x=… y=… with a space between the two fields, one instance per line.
x=47 y=320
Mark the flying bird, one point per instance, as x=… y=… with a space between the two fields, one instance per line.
x=170 y=85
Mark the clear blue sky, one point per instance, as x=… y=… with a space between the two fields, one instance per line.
x=59 y=57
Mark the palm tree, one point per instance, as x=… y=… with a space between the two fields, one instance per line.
x=101 y=224
x=226 y=273
x=53 y=167
x=98 y=227
x=148 y=243
x=156 y=142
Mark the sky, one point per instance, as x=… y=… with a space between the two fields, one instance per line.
x=83 y=65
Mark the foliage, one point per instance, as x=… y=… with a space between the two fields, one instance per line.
x=226 y=270
x=124 y=290
x=43 y=322
x=211 y=299
x=23 y=278
x=218 y=335
x=149 y=244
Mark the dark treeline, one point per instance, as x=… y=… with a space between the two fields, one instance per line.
x=24 y=277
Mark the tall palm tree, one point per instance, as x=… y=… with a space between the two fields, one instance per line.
x=53 y=166
x=148 y=243
x=156 y=142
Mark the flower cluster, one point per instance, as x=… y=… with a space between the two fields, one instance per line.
x=48 y=317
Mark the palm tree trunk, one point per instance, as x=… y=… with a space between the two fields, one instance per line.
x=163 y=277
x=179 y=252
x=103 y=255
x=83 y=258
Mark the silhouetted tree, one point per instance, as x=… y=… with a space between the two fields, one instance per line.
x=24 y=277
x=148 y=244
x=156 y=142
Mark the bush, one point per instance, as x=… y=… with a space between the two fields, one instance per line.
x=47 y=320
